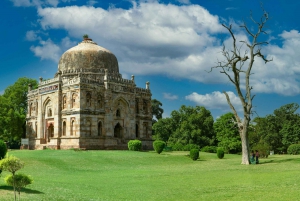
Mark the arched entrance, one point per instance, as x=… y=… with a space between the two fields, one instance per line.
x=118 y=131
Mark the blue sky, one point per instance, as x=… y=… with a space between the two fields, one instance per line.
x=171 y=43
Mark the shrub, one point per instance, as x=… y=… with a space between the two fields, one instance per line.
x=18 y=181
x=159 y=146
x=220 y=153
x=294 y=149
x=134 y=145
x=209 y=149
x=3 y=149
x=194 y=154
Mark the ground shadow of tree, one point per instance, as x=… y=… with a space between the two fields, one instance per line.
x=24 y=190
x=284 y=160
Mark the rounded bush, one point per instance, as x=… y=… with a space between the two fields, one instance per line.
x=294 y=149
x=3 y=149
x=135 y=145
x=220 y=153
x=194 y=154
x=159 y=146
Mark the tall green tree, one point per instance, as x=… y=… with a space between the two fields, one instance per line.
x=192 y=125
x=227 y=133
x=280 y=129
x=157 y=111
x=163 y=129
x=13 y=109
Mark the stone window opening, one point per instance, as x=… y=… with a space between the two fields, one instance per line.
x=30 y=109
x=118 y=131
x=145 y=107
x=99 y=102
x=136 y=130
x=72 y=127
x=49 y=112
x=137 y=106
x=51 y=130
x=64 y=102
x=64 y=128
x=88 y=99
x=37 y=108
x=73 y=100
x=35 y=129
x=118 y=113
x=145 y=125
x=89 y=128
x=99 y=128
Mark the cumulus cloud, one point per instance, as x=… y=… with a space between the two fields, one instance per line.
x=47 y=50
x=147 y=40
x=169 y=96
x=215 y=100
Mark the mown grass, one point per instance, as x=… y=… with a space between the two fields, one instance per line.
x=128 y=175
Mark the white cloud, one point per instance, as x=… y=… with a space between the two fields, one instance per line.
x=169 y=96
x=32 y=36
x=215 y=100
x=147 y=40
x=2 y=92
x=47 y=50
x=184 y=1
x=91 y=2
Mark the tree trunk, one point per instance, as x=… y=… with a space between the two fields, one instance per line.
x=245 y=143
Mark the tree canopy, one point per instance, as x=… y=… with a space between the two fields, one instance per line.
x=13 y=104
x=227 y=133
x=188 y=125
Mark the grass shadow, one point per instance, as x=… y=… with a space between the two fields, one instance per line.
x=266 y=161
x=23 y=190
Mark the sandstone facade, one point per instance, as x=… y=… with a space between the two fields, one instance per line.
x=88 y=104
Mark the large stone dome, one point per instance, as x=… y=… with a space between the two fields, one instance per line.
x=88 y=56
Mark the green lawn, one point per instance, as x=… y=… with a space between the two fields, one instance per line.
x=127 y=175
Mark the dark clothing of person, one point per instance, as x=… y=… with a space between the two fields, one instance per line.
x=256 y=157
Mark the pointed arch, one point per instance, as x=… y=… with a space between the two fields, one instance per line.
x=118 y=130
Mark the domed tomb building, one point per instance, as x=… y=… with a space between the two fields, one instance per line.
x=88 y=104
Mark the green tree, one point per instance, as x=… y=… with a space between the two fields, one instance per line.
x=18 y=181
x=278 y=130
x=157 y=111
x=227 y=133
x=13 y=104
x=163 y=129
x=192 y=125
x=12 y=164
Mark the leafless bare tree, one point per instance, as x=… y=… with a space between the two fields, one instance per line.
x=233 y=67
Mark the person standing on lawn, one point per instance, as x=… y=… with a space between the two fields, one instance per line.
x=256 y=156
